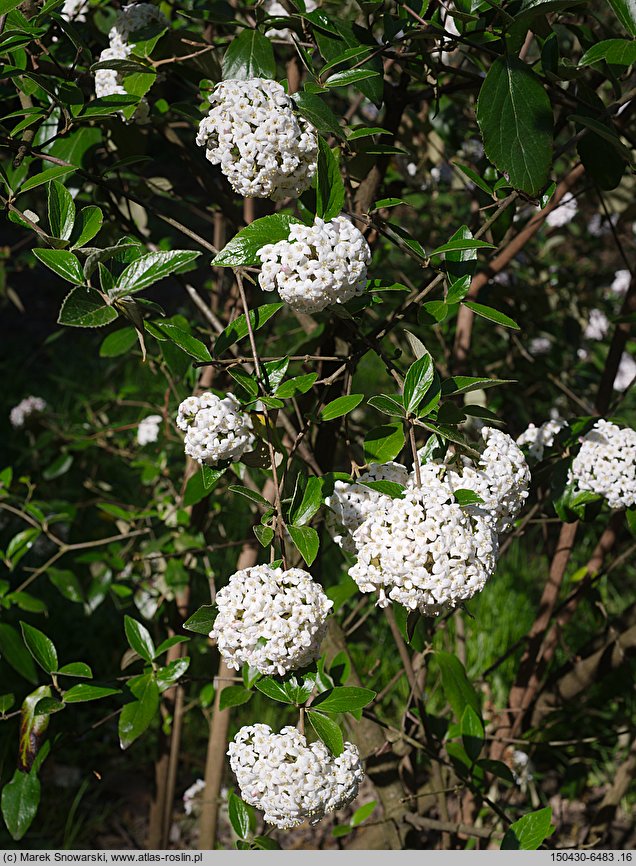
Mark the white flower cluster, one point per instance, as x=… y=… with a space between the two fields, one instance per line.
x=277 y=10
x=191 y=795
x=621 y=282
x=215 y=428
x=626 y=372
x=537 y=439
x=564 y=213
x=271 y=619
x=606 y=464
x=74 y=10
x=350 y=504
x=317 y=265
x=501 y=477
x=290 y=780
x=425 y=551
x=263 y=148
x=597 y=326
x=148 y=430
x=25 y=408
x=130 y=20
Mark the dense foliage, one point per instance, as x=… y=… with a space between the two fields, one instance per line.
x=282 y=285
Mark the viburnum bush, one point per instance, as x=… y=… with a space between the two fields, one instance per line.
x=320 y=487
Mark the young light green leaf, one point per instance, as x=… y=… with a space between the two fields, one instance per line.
x=529 y=832
x=386 y=488
x=515 y=118
x=296 y=386
x=202 y=621
x=306 y=541
x=40 y=646
x=139 y=639
x=63 y=263
x=243 y=249
x=85 y=308
x=6 y=702
x=249 y=55
x=76 y=669
x=340 y=406
x=328 y=731
x=61 y=210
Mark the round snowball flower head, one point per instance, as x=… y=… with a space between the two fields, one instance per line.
x=271 y=619
x=148 y=430
x=425 y=551
x=350 y=504
x=290 y=780
x=537 y=439
x=501 y=477
x=606 y=464
x=263 y=148
x=317 y=265
x=216 y=428
x=25 y=408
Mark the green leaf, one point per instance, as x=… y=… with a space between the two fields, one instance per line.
x=492 y=315
x=474 y=177
x=32 y=748
x=297 y=385
x=515 y=118
x=330 y=191
x=63 y=263
x=417 y=381
x=388 y=405
x=118 y=343
x=135 y=718
x=273 y=690
x=472 y=729
x=467 y=497
x=461 y=244
x=239 y=814
x=202 y=622
x=86 y=692
x=382 y=444
x=168 y=642
x=249 y=55
x=85 y=308
x=20 y=801
x=171 y=673
x=464 y=384
x=349 y=76
x=328 y=731
x=317 y=112
x=13 y=651
x=61 y=210
x=211 y=476
x=45 y=176
x=190 y=345
x=301 y=513
x=306 y=540
x=253 y=495
x=529 y=832
x=237 y=329
x=626 y=14
x=457 y=688
x=59 y=467
x=619 y=51
x=343 y=699
x=76 y=669
x=87 y=225
x=364 y=812
x=234 y=696
x=6 y=702
x=497 y=768
x=243 y=249
x=40 y=646
x=150 y=268
x=47 y=706
x=66 y=583
x=387 y=488
x=7 y=5
x=139 y=639
x=265 y=534
x=340 y=406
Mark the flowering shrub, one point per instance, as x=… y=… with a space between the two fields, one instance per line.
x=289 y=493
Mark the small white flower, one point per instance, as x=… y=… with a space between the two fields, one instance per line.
x=537 y=439
x=271 y=619
x=277 y=10
x=606 y=464
x=191 y=795
x=25 y=408
x=263 y=148
x=539 y=345
x=317 y=265
x=564 y=213
x=621 y=281
x=148 y=430
x=289 y=780
x=216 y=428
x=597 y=327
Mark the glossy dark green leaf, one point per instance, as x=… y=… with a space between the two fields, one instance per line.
x=417 y=381
x=40 y=646
x=328 y=731
x=87 y=692
x=20 y=801
x=340 y=406
x=202 y=622
x=313 y=107
x=492 y=315
x=139 y=639
x=136 y=716
x=343 y=699
x=330 y=192
x=150 y=268
x=626 y=14
x=382 y=444
x=76 y=669
x=61 y=210
x=296 y=386
x=234 y=696
x=243 y=249
x=239 y=814
x=457 y=687
x=274 y=690
x=529 y=832
x=85 y=308
x=249 y=55
x=388 y=405
x=63 y=263
x=472 y=729
x=13 y=651
x=237 y=329
x=306 y=540
x=87 y=225
x=515 y=118
x=193 y=347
